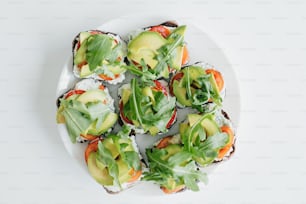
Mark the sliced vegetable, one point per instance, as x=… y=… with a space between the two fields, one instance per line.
x=100 y=54
x=218 y=77
x=157 y=54
x=228 y=146
x=73 y=92
x=193 y=87
x=86 y=113
x=148 y=106
x=117 y=161
x=165 y=32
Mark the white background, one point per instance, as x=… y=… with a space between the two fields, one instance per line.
x=264 y=40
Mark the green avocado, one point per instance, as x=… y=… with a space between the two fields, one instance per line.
x=125 y=95
x=181 y=94
x=147 y=91
x=193 y=118
x=80 y=55
x=123 y=168
x=109 y=144
x=116 y=69
x=100 y=175
x=208 y=123
x=145 y=47
x=178 y=52
x=84 y=36
x=92 y=96
x=85 y=71
x=215 y=87
x=171 y=150
x=210 y=126
x=195 y=72
x=109 y=121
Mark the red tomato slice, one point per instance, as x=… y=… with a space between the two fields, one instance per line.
x=165 y=32
x=125 y=119
x=160 y=87
x=176 y=77
x=172 y=119
x=92 y=147
x=73 y=92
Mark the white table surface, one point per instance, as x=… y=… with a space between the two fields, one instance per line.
x=264 y=40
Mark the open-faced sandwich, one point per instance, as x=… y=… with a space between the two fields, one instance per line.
x=87 y=110
x=115 y=162
x=172 y=167
x=99 y=55
x=203 y=139
x=209 y=136
x=147 y=107
x=158 y=50
x=198 y=87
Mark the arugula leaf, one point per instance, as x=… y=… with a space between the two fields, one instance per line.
x=99 y=47
x=132 y=159
x=165 y=52
x=124 y=132
x=97 y=110
x=188 y=84
x=135 y=103
x=145 y=75
x=179 y=158
x=216 y=141
x=143 y=113
x=75 y=123
x=162 y=171
x=191 y=176
x=79 y=116
x=105 y=156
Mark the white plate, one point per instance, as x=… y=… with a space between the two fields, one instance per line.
x=201 y=48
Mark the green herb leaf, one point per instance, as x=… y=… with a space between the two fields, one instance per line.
x=99 y=47
x=76 y=123
x=161 y=171
x=132 y=159
x=165 y=52
x=179 y=158
x=214 y=142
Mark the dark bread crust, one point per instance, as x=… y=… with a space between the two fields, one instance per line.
x=170 y=24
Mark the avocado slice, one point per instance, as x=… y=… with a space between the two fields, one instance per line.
x=80 y=55
x=195 y=72
x=210 y=126
x=178 y=52
x=92 y=96
x=100 y=175
x=181 y=94
x=171 y=150
x=109 y=121
x=147 y=91
x=84 y=36
x=208 y=123
x=125 y=95
x=116 y=69
x=85 y=71
x=124 y=175
x=109 y=144
x=145 y=46
x=193 y=118
x=215 y=87
x=59 y=116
